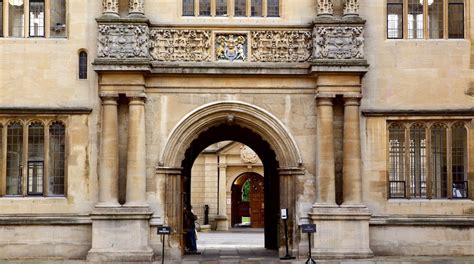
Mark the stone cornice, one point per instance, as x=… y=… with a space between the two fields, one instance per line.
x=45 y=110
x=422 y=220
x=419 y=112
x=45 y=219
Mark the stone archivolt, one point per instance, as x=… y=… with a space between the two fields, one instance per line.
x=338 y=42
x=172 y=45
x=123 y=41
x=281 y=46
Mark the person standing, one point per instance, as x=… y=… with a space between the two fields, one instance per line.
x=190 y=226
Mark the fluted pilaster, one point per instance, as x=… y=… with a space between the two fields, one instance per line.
x=325 y=8
x=351 y=8
x=136 y=8
x=110 y=8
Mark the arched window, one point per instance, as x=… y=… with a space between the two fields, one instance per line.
x=35 y=171
x=418 y=161
x=459 y=160
x=397 y=160
x=439 y=165
x=231 y=8
x=82 y=65
x=14 y=158
x=57 y=150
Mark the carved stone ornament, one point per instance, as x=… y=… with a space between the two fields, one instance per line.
x=248 y=155
x=123 y=41
x=136 y=7
x=325 y=8
x=110 y=7
x=231 y=47
x=180 y=45
x=351 y=8
x=281 y=46
x=338 y=42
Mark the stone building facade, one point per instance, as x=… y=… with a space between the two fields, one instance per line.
x=360 y=111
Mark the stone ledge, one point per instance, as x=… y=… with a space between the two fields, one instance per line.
x=45 y=220
x=343 y=212
x=120 y=256
x=121 y=213
x=419 y=112
x=356 y=253
x=45 y=110
x=427 y=220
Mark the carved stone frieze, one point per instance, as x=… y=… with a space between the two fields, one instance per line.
x=281 y=46
x=123 y=41
x=231 y=47
x=110 y=7
x=180 y=45
x=338 y=42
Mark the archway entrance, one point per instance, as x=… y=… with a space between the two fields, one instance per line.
x=240 y=122
x=247 y=202
x=270 y=220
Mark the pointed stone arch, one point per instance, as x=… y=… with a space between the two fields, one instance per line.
x=236 y=114
x=246 y=115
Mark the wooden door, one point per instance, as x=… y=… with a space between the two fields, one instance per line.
x=257 y=213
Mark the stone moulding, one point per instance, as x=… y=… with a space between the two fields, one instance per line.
x=173 y=45
x=123 y=41
x=281 y=46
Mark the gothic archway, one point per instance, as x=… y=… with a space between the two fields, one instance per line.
x=245 y=123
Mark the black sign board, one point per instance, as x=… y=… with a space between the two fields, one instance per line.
x=164 y=230
x=308 y=228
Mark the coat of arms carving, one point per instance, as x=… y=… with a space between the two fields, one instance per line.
x=231 y=47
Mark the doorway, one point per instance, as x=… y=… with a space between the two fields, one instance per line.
x=247 y=202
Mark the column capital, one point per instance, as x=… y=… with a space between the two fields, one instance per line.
x=136 y=99
x=352 y=100
x=325 y=99
x=136 y=8
x=351 y=8
x=325 y=8
x=109 y=99
x=110 y=8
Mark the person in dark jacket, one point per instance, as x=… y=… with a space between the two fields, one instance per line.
x=190 y=227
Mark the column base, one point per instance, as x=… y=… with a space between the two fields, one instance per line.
x=342 y=231
x=221 y=223
x=120 y=234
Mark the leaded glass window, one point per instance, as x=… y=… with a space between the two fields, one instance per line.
x=16 y=19
x=456 y=19
x=57 y=134
x=439 y=169
x=459 y=161
x=36 y=18
x=273 y=8
x=204 y=7
x=35 y=158
x=397 y=161
x=14 y=158
x=256 y=8
x=415 y=19
x=221 y=7
x=82 y=65
x=188 y=7
x=435 y=19
x=58 y=19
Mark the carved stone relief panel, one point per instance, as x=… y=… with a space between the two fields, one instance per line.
x=122 y=41
x=338 y=42
x=281 y=46
x=231 y=47
x=180 y=45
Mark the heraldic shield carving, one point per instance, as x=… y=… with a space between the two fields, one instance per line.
x=231 y=47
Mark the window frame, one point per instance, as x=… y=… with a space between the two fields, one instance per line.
x=46 y=122
x=425 y=21
x=26 y=20
x=230 y=10
x=407 y=176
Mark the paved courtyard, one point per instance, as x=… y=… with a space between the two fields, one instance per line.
x=247 y=246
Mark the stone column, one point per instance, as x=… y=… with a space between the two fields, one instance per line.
x=110 y=8
x=108 y=157
x=326 y=174
x=352 y=152
x=325 y=8
x=136 y=8
x=136 y=160
x=221 y=218
x=351 y=8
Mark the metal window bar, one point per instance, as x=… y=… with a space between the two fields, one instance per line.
x=35 y=159
x=397 y=189
x=439 y=165
x=14 y=158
